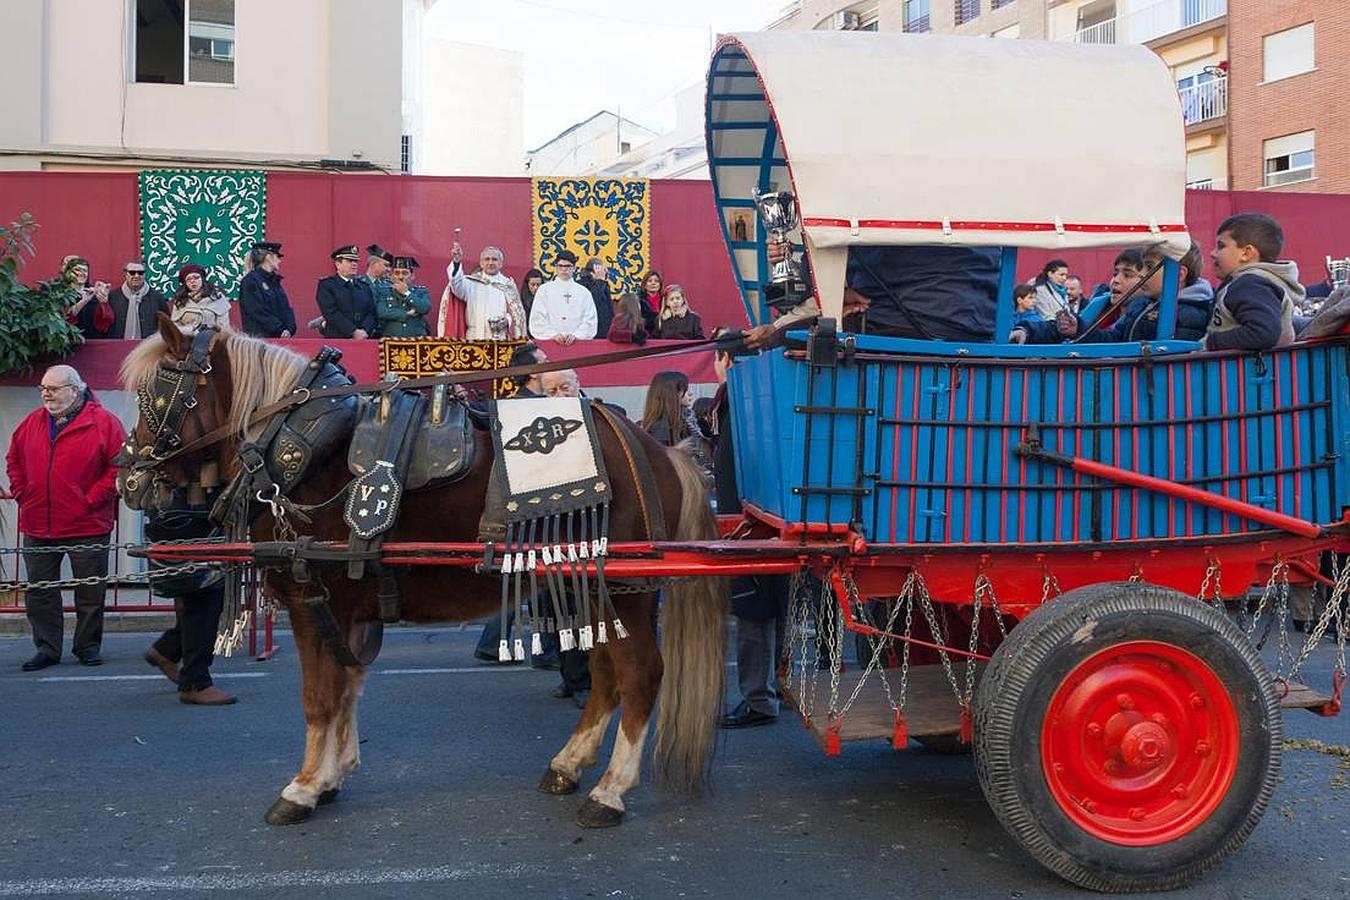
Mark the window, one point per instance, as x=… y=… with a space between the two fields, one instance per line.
x=999 y=4
x=178 y=37
x=1097 y=23
x=967 y=11
x=916 y=15
x=1289 y=159
x=1287 y=53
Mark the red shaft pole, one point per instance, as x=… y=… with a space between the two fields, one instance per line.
x=1195 y=495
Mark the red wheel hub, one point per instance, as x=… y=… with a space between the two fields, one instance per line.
x=1140 y=743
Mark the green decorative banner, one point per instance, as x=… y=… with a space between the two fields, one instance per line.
x=210 y=217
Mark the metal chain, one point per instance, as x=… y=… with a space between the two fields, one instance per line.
x=926 y=606
x=1049 y=583
x=835 y=642
x=141 y=579
x=1333 y=609
x=80 y=548
x=1266 y=594
x=1213 y=578
x=879 y=645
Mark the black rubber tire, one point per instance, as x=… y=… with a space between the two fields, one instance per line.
x=1017 y=687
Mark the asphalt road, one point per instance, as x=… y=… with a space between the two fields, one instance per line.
x=111 y=788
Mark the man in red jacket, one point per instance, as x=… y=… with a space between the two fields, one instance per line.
x=61 y=472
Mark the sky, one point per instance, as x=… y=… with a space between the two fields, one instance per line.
x=582 y=56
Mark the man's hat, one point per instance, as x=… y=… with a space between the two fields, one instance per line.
x=565 y=256
x=378 y=251
x=268 y=247
x=347 y=251
x=405 y=262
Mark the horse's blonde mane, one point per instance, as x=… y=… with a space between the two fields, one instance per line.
x=261 y=372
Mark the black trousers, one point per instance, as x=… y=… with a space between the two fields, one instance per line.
x=191 y=641
x=43 y=605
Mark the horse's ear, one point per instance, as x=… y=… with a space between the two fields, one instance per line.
x=173 y=338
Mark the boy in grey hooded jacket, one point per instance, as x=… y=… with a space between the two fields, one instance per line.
x=1254 y=306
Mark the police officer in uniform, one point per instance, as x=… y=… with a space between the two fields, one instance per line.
x=347 y=304
x=403 y=310
x=263 y=303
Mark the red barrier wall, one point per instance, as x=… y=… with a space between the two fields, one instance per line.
x=96 y=215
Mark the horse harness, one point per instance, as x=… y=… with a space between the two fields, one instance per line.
x=400 y=441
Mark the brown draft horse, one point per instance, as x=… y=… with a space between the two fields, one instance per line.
x=247 y=374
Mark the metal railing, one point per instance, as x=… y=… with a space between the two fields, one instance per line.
x=1101 y=33
x=967 y=11
x=1204 y=101
x=917 y=25
x=1151 y=22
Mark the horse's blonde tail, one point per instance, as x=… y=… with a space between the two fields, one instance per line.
x=693 y=643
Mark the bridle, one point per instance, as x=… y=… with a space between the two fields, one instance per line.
x=167 y=398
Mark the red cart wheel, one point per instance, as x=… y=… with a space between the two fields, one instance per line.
x=1157 y=744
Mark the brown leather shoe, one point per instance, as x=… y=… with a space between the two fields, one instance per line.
x=163 y=663
x=207 y=696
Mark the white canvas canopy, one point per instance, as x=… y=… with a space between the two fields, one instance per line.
x=892 y=139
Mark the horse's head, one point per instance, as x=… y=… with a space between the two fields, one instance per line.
x=188 y=387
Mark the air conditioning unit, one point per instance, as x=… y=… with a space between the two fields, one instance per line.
x=847 y=20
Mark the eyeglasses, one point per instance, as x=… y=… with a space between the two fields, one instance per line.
x=52 y=389
x=565 y=266
x=135 y=271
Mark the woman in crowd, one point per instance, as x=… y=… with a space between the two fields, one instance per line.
x=669 y=416
x=628 y=326
x=87 y=305
x=198 y=303
x=678 y=321
x=1051 y=295
x=529 y=285
x=652 y=286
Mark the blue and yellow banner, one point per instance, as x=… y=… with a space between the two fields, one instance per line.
x=609 y=218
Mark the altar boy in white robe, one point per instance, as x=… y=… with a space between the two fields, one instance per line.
x=563 y=309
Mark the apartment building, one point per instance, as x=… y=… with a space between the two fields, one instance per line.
x=136 y=83
x=1263 y=92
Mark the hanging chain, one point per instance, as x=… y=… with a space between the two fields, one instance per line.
x=1048 y=584
x=141 y=579
x=879 y=645
x=1333 y=609
x=1211 y=590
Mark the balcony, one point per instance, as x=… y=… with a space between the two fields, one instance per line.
x=1205 y=101
x=1101 y=33
x=1151 y=22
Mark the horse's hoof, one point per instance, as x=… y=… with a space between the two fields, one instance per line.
x=284 y=812
x=598 y=815
x=328 y=796
x=555 y=782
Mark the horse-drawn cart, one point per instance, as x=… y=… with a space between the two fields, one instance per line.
x=1042 y=543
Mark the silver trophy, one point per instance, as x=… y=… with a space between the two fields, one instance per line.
x=499 y=328
x=778 y=211
x=1338 y=271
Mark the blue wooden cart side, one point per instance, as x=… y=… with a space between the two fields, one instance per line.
x=912 y=442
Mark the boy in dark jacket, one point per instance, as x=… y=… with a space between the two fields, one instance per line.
x=1254 y=306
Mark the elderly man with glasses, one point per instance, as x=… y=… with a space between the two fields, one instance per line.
x=61 y=473
x=135 y=305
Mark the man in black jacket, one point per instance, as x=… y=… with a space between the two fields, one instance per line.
x=135 y=305
x=595 y=278
x=263 y=303
x=347 y=305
